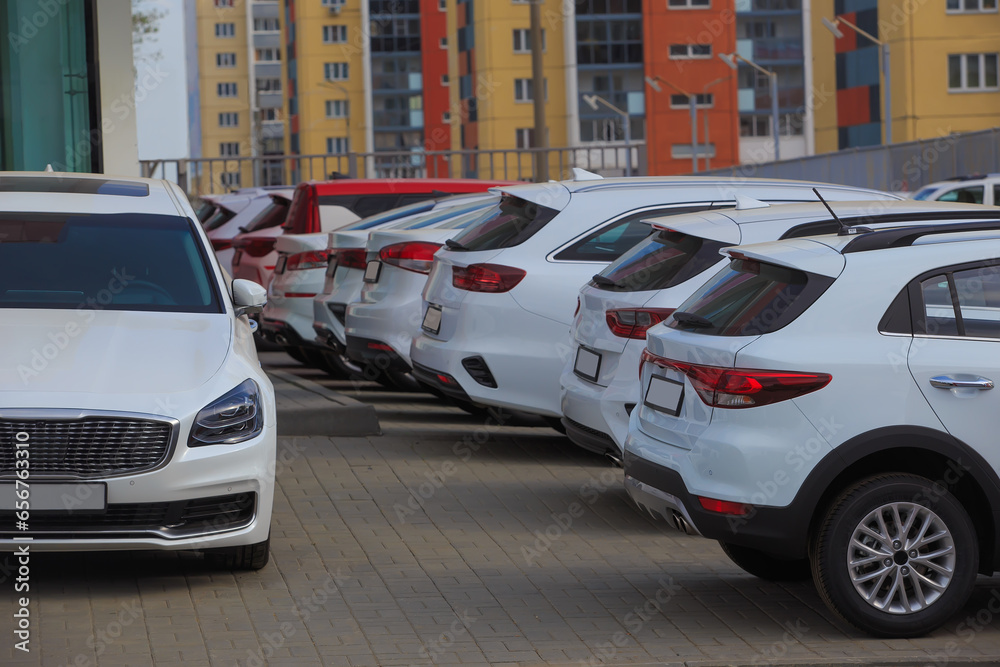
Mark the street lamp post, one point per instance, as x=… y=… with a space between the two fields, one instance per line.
x=654 y=83
x=730 y=59
x=593 y=101
x=832 y=26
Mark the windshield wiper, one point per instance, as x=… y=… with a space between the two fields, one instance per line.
x=604 y=281
x=455 y=245
x=692 y=320
x=243 y=229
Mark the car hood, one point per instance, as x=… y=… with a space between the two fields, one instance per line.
x=83 y=358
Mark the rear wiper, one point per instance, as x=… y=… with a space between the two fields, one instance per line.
x=604 y=281
x=455 y=245
x=243 y=229
x=692 y=320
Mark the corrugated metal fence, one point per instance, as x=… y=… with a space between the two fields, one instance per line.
x=899 y=167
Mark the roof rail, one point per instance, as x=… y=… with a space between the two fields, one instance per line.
x=831 y=226
x=901 y=237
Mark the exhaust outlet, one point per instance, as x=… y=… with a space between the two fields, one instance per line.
x=281 y=339
x=681 y=524
x=616 y=460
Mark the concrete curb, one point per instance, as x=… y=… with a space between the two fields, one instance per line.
x=308 y=408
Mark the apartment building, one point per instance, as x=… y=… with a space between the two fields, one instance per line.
x=235 y=90
x=943 y=59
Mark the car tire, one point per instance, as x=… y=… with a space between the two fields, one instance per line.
x=246 y=557
x=766 y=566
x=869 y=513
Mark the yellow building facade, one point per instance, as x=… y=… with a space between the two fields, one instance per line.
x=943 y=70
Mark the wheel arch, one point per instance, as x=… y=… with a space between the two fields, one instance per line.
x=935 y=455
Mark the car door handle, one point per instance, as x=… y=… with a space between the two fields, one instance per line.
x=945 y=382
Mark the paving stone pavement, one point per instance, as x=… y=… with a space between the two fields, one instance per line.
x=451 y=540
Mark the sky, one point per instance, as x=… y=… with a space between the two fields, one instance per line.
x=161 y=87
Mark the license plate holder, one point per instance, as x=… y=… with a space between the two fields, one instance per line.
x=588 y=364
x=665 y=395
x=47 y=496
x=432 y=319
x=372 y=271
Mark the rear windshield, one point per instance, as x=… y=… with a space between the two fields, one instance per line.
x=511 y=223
x=390 y=215
x=219 y=218
x=104 y=262
x=272 y=216
x=925 y=193
x=662 y=260
x=205 y=210
x=749 y=298
x=447 y=215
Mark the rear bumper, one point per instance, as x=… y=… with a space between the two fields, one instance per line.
x=282 y=333
x=376 y=353
x=589 y=438
x=442 y=382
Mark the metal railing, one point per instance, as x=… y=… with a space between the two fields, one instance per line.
x=200 y=176
x=895 y=168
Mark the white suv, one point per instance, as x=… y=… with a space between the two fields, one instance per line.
x=641 y=288
x=978 y=189
x=827 y=404
x=500 y=297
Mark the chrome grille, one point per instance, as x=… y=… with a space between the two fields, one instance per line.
x=88 y=447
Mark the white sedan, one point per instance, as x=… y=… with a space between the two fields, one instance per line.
x=128 y=376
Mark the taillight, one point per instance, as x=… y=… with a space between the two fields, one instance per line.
x=633 y=322
x=742 y=387
x=221 y=244
x=314 y=259
x=255 y=247
x=725 y=506
x=417 y=256
x=350 y=258
x=486 y=277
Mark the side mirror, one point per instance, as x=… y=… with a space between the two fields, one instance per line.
x=248 y=297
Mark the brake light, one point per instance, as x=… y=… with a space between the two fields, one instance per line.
x=314 y=259
x=486 y=277
x=742 y=387
x=725 y=506
x=303 y=213
x=417 y=256
x=633 y=322
x=255 y=247
x=350 y=258
x=221 y=244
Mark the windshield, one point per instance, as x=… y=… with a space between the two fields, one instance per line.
x=272 y=216
x=662 y=260
x=749 y=298
x=925 y=193
x=104 y=262
x=511 y=223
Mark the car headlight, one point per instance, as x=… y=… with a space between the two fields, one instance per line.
x=235 y=417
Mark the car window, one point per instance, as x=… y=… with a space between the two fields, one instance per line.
x=963 y=303
x=749 y=298
x=608 y=243
x=449 y=214
x=511 y=223
x=219 y=218
x=391 y=215
x=372 y=204
x=272 y=216
x=105 y=262
x=970 y=195
x=925 y=193
x=662 y=260
x=996 y=195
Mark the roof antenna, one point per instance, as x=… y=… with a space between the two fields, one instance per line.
x=845 y=229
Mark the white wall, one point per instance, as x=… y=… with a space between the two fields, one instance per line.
x=114 y=54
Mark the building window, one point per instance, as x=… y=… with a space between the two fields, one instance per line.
x=608 y=40
x=230 y=179
x=336 y=108
x=972 y=72
x=524 y=90
x=755 y=126
x=688 y=4
x=270 y=84
x=266 y=25
x=971 y=6
x=225 y=29
x=525 y=137
x=223 y=3
x=334 y=4
x=678 y=51
x=229 y=149
x=335 y=71
x=522 y=40
x=270 y=115
x=444 y=80
x=226 y=90
x=443 y=43
x=702 y=101
x=760 y=29
x=229 y=119
x=225 y=60
x=336 y=145
x=334 y=34
x=268 y=54
x=446 y=117
x=443 y=5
